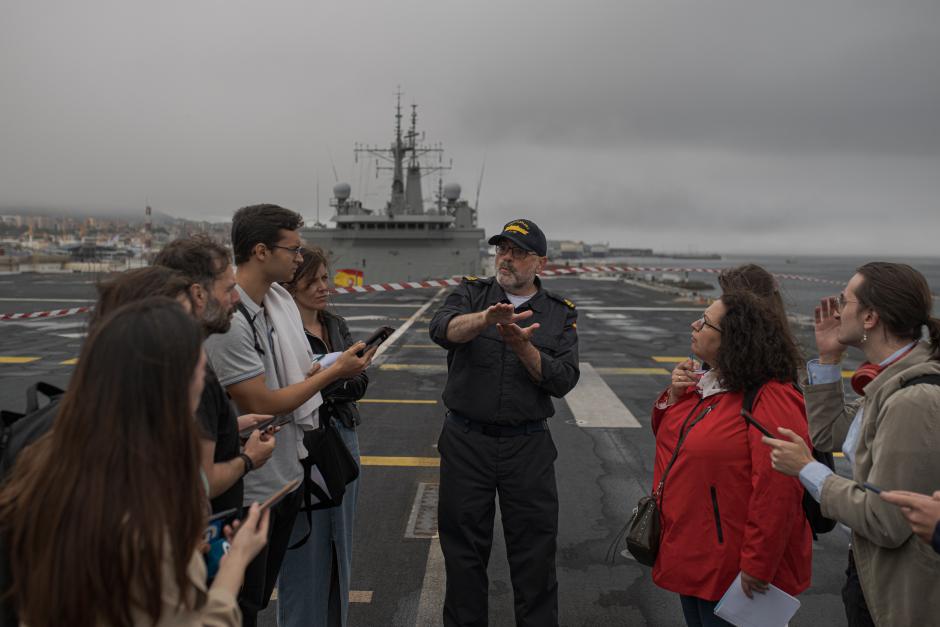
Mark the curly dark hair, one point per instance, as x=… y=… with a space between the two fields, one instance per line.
x=755 y=347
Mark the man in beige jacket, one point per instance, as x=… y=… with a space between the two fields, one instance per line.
x=891 y=436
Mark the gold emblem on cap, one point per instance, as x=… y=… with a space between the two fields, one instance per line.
x=518 y=226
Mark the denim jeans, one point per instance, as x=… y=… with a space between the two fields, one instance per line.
x=307 y=571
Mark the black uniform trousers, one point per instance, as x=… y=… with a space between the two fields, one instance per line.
x=262 y=572
x=475 y=468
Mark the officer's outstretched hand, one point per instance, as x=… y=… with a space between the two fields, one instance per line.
x=514 y=335
x=504 y=313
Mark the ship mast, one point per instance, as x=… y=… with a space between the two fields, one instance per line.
x=406 y=195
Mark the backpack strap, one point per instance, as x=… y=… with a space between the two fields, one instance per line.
x=251 y=323
x=747 y=406
x=932 y=379
x=40 y=387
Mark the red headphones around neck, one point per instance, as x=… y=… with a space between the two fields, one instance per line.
x=867 y=372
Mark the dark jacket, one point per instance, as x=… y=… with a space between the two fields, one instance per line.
x=339 y=398
x=486 y=382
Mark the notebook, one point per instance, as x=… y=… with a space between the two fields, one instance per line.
x=774 y=608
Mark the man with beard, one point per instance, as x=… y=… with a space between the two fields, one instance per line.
x=495 y=439
x=213 y=296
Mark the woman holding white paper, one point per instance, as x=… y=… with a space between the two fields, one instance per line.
x=323 y=598
x=724 y=511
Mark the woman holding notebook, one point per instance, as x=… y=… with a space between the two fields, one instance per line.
x=724 y=511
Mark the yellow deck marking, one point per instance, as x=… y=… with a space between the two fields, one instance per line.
x=18 y=360
x=360 y=596
x=412 y=366
x=631 y=371
x=355 y=596
x=414 y=462
x=400 y=401
x=668 y=360
x=69 y=362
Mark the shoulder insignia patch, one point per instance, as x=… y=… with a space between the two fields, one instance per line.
x=471 y=278
x=569 y=303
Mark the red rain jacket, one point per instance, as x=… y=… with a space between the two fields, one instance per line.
x=724 y=508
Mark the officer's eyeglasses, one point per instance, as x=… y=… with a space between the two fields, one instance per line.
x=294 y=250
x=516 y=252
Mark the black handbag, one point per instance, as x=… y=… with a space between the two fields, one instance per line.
x=328 y=468
x=645 y=528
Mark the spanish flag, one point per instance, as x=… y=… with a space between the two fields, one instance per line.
x=348 y=278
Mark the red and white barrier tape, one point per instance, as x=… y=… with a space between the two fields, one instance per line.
x=56 y=313
x=409 y=285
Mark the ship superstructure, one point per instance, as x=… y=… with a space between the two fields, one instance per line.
x=404 y=241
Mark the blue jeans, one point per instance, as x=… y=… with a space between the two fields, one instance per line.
x=699 y=612
x=304 y=587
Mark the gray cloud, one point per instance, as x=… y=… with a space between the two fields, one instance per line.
x=721 y=125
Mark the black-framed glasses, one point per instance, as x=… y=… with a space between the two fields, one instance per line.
x=516 y=252
x=294 y=250
x=703 y=322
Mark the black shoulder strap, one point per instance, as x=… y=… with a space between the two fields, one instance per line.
x=749 y=396
x=932 y=379
x=747 y=406
x=251 y=323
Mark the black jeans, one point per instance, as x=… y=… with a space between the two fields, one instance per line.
x=701 y=613
x=856 y=610
x=261 y=574
x=519 y=469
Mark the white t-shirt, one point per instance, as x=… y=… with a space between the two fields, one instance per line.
x=517 y=301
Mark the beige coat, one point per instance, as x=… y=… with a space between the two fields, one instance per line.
x=218 y=608
x=898 y=448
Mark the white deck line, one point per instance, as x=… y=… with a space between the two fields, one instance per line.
x=403 y=328
x=594 y=404
x=431 y=602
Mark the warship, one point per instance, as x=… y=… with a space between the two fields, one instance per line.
x=405 y=240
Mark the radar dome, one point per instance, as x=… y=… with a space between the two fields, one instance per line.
x=452 y=191
x=341 y=191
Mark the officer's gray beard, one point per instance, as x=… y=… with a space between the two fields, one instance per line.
x=515 y=283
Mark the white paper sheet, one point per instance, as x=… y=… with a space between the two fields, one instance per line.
x=774 y=608
x=327 y=360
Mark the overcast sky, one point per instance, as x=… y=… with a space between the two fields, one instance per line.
x=787 y=127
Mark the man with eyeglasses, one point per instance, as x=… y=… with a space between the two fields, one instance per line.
x=511 y=346
x=264 y=363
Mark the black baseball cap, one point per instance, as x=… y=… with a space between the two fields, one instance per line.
x=525 y=234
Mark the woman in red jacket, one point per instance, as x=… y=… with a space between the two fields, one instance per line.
x=724 y=510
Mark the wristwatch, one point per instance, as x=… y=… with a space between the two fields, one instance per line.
x=249 y=465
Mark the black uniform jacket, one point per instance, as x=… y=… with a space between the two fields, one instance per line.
x=486 y=382
x=339 y=397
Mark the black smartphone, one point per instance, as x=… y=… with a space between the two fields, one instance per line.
x=749 y=418
x=273 y=421
x=278 y=496
x=378 y=336
x=871 y=488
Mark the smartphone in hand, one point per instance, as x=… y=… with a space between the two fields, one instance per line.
x=278 y=496
x=273 y=421
x=378 y=336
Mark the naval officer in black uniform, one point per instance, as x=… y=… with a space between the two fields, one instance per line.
x=511 y=346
